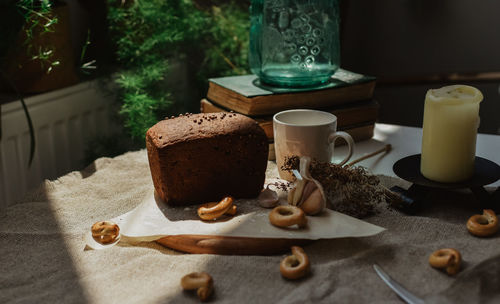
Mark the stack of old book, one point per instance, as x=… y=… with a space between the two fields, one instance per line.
x=348 y=95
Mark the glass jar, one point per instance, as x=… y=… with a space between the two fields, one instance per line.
x=294 y=43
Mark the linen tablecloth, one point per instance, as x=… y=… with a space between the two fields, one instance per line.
x=42 y=256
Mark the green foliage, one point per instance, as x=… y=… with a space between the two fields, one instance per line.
x=39 y=20
x=227 y=41
x=33 y=17
x=149 y=34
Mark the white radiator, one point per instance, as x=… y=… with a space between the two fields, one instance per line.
x=63 y=121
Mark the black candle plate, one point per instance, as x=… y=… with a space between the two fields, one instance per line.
x=485 y=172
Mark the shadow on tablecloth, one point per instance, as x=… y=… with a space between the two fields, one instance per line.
x=43 y=261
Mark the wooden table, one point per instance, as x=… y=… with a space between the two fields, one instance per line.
x=407 y=141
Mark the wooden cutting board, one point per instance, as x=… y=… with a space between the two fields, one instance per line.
x=229 y=245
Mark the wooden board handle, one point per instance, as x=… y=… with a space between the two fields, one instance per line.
x=229 y=245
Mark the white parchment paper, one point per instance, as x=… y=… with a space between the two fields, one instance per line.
x=153 y=219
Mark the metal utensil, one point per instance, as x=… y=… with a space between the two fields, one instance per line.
x=406 y=295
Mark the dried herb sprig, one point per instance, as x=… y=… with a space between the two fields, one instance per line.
x=352 y=191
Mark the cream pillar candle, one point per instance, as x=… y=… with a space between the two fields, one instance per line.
x=451 y=119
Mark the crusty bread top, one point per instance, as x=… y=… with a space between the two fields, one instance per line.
x=197 y=126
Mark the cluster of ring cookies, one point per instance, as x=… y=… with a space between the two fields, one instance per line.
x=480 y=225
x=292 y=267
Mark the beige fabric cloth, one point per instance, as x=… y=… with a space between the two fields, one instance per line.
x=42 y=257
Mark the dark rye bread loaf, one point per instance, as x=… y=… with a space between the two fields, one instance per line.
x=199 y=158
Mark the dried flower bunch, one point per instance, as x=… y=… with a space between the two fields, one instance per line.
x=352 y=191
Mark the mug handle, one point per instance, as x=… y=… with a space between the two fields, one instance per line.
x=348 y=139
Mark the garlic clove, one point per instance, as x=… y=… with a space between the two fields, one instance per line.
x=268 y=198
x=299 y=189
x=291 y=194
x=314 y=203
x=295 y=196
x=308 y=189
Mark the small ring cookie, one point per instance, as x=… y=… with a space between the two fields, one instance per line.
x=105 y=232
x=483 y=225
x=446 y=258
x=295 y=266
x=285 y=216
x=212 y=211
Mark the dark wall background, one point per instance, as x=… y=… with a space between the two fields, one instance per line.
x=413 y=46
x=410 y=45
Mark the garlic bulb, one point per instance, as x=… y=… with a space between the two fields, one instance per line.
x=308 y=193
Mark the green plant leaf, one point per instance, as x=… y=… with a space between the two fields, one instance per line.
x=150 y=33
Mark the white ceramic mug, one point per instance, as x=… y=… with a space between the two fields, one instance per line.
x=304 y=132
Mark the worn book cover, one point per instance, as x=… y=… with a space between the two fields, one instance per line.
x=245 y=94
